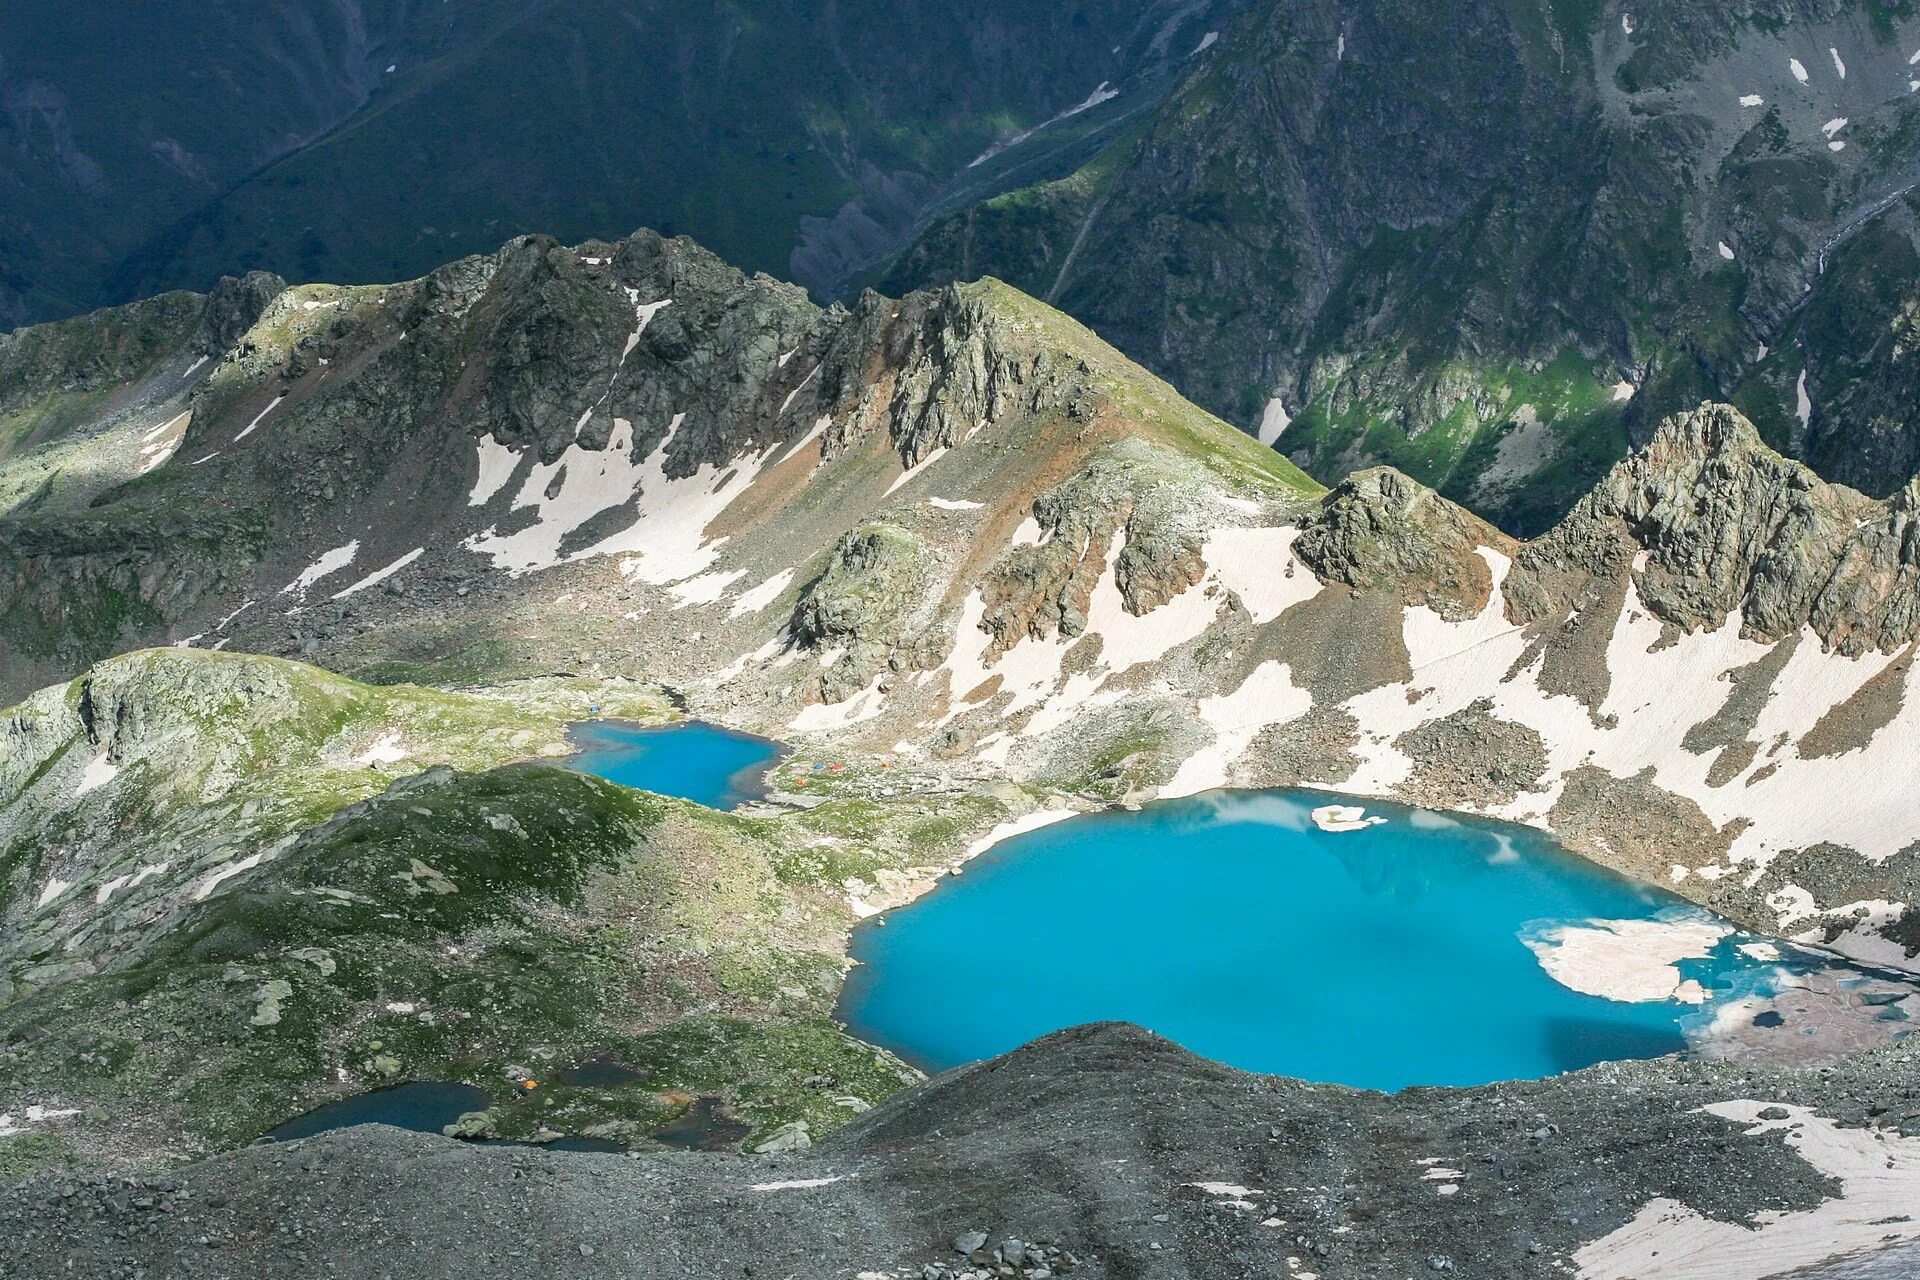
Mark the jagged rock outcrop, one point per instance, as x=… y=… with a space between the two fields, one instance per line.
x=1043 y=589
x=866 y=604
x=1729 y=527
x=1381 y=530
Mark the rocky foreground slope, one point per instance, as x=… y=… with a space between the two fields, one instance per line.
x=952 y=544
x=1100 y=1152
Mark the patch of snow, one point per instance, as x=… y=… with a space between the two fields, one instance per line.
x=159 y=444
x=379 y=576
x=1100 y=94
x=665 y=540
x=258 y=418
x=1802 y=402
x=1726 y=252
x=1836 y=145
x=917 y=468
x=1017 y=827
x=225 y=874
x=385 y=749
x=954 y=504
x=757 y=598
x=1274 y=420
x=1231 y=1189
x=1265 y=698
x=55 y=887
x=497 y=465
x=1258 y=565
x=1752 y=100
x=1626 y=24
x=329 y=562
x=1839 y=66
x=98 y=773
x=1623 y=390
x=796 y=1184
x=1879 y=1175
x=708 y=588
x=1798 y=68
x=1834 y=126
x=1206 y=43
x=1029 y=534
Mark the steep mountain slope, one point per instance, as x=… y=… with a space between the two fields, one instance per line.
x=1491 y=243
x=800 y=138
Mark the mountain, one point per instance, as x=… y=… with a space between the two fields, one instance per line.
x=1495 y=244
x=394 y=539
x=960 y=522
x=798 y=136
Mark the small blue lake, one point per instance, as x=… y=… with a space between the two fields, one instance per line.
x=699 y=762
x=1393 y=955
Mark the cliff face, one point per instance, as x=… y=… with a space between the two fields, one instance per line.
x=1729 y=527
x=1492 y=244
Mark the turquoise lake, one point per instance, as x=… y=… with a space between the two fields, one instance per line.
x=699 y=762
x=1384 y=957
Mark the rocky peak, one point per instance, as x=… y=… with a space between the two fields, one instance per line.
x=234 y=306
x=1382 y=529
x=1729 y=526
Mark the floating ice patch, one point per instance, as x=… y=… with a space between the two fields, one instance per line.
x=258 y=418
x=1626 y=960
x=1344 y=817
x=330 y=562
x=1752 y=100
x=379 y=576
x=1798 y=68
x=1274 y=420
